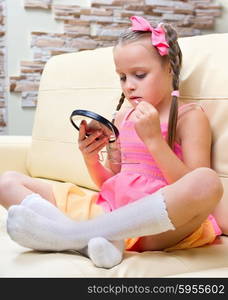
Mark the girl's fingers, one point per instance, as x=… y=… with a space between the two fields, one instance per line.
x=91 y=139
x=100 y=147
x=84 y=140
x=97 y=145
x=82 y=131
x=138 y=114
x=145 y=107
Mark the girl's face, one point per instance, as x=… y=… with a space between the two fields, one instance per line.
x=143 y=75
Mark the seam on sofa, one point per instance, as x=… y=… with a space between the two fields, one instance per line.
x=204 y=98
x=51 y=140
x=80 y=88
x=222 y=175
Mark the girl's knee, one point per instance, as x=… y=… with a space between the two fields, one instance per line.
x=196 y=194
x=8 y=179
x=206 y=185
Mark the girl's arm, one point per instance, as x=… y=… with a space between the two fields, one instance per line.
x=98 y=172
x=90 y=147
x=194 y=133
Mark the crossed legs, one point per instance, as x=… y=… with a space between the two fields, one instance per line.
x=188 y=202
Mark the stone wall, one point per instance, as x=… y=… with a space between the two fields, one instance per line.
x=99 y=26
x=2 y=68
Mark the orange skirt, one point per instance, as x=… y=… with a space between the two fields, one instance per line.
x=78 y=205
x=204 y=235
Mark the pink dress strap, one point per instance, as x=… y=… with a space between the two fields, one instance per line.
x=126 y=116
x=188 y=106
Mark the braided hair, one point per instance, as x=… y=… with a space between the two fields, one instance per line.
x=175 y=59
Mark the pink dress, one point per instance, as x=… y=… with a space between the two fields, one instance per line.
x=139 y=175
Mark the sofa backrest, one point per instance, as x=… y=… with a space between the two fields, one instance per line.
x=87 y=80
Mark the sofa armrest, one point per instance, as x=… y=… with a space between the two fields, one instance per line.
x=13 y=153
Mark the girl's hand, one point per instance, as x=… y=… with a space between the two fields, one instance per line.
x=91 y=145
x=147 y=122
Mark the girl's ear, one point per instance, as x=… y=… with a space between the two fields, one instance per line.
x=170 y=70
x=168 y=67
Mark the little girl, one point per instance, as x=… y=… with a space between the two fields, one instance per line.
x=161 y=195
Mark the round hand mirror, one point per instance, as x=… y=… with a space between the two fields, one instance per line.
x=94 y=122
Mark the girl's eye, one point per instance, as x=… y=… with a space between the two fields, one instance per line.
x=122 y=78
x=140 y=76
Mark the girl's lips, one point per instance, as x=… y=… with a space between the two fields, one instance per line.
x=136 y=100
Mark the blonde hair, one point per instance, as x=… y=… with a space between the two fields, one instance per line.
x=174 y=57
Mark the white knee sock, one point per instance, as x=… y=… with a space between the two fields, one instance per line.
x=103 y=253
x=147 y=216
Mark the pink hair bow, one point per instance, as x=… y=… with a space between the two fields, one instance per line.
x=157 y=36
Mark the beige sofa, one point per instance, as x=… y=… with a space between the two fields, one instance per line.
x=87 y=80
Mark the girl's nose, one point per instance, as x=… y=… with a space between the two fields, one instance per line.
x=130 y=85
